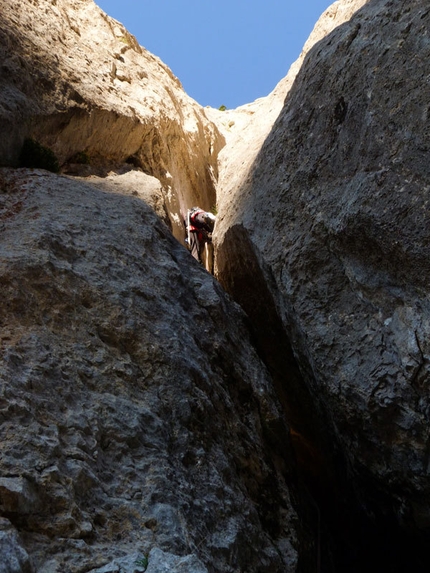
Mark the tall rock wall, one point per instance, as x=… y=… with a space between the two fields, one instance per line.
x=136 y=420
x=334 y=210
x=78 y=82
x=139 y=428
x=245 y=128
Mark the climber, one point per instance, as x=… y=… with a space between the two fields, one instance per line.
x=199 y=226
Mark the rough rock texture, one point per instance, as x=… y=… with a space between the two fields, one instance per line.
x=139 y=427
x=135 y=183
x=13 y=557
x=136 y=417
x=334 y=214
x=245 y=128
x=77 y=81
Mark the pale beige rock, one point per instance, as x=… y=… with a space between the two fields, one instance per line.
x=134 y=183
x=245 y=128
x=77 y=81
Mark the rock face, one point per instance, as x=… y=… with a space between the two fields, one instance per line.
x=246 y=127
x=146 y=422
x=333 y=214
x=13 y=555
x=137 y=421
x=78 y=82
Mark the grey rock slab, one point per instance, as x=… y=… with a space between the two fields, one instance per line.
x=134 y=563
x=13 y=556
x=161 y=562
x=141 y=404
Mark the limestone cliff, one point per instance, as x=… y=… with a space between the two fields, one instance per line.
x=78 y=82
x=332 y=215
x=245 y=128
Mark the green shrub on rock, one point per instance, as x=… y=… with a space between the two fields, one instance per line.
x=35 y=155
x=81 y=158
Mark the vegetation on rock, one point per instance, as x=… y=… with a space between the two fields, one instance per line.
x=35 y=155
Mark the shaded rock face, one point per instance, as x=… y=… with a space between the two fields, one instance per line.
x=335 y=211
x=137 y=421
x=78 y=82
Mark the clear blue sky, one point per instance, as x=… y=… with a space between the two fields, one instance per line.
x=225 y=52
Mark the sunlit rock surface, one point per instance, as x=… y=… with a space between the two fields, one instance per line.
x=246 y=127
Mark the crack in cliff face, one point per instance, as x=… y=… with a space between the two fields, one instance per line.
x=318 y=470
x=334 y=206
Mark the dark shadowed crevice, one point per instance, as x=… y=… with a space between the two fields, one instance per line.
x=239 y=272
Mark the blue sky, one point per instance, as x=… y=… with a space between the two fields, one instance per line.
x=225 y=52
